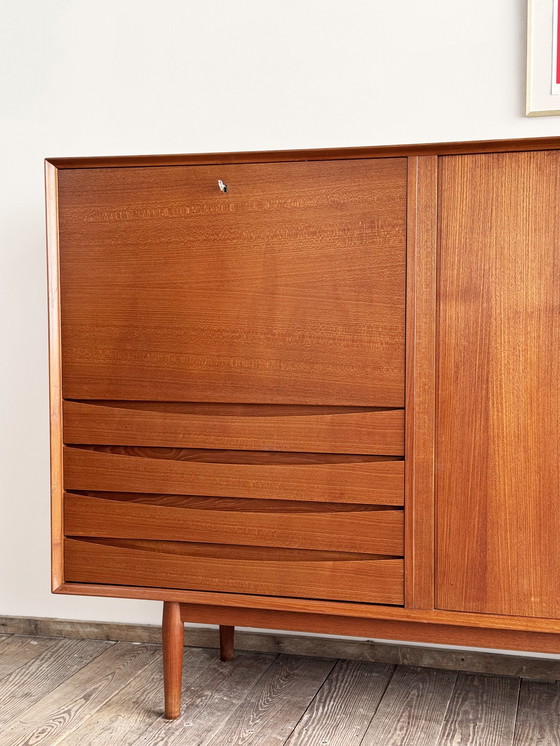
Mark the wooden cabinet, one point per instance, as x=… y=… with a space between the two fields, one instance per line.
x=311 y=390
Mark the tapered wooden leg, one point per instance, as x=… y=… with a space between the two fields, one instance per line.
x=226 y=642
x=173 y=635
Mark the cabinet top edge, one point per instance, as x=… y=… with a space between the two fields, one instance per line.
x=276 y=156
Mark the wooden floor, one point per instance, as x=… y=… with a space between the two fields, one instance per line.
x=81 y=692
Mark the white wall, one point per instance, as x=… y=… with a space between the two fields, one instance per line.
x=131 y=76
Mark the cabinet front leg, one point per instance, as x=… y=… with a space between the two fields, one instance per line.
x=173 y=636
x=226 y=642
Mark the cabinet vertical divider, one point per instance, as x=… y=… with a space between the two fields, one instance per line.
x=420 y=382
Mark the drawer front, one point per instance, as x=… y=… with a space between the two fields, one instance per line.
x=269 y=523
x=290 y=286
x=251 y=474
x=214 y=567
x=230 y=426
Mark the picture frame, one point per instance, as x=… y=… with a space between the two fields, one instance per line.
x=543 y=58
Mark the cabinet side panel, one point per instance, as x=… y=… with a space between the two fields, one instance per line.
x=51 y=186
x=498 y=463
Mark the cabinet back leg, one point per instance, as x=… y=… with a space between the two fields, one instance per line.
x=173 y=638
x=226 y=642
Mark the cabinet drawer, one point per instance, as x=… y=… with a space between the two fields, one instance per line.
x=271 y=523
x=251 y=474
x=239 y=569
x=236 y=426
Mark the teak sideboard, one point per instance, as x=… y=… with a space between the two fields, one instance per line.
x=311 y=390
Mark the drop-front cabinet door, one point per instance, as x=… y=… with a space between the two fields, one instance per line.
x=498 y=470
x=286 y=288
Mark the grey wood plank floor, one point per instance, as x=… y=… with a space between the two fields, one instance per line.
x=79 y=692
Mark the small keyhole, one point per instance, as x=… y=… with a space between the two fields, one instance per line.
x=223 y=187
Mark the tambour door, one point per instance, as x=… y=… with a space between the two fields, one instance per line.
x=288 y=288
x=499 y=395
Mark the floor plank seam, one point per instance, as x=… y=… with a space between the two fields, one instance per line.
x=249 y=692
x=378 y=705
x=447 y=706
x=310 y=704
x=516 y=723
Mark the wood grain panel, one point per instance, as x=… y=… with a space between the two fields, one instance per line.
x=288 y=289
x=272 y=523
x=236 y=426
x=281 y=476
x=259 y=570
x=499 y=399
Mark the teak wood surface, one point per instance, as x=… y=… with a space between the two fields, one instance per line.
x=55 y=375
x=257 y=427
x=421 y=382
x=282 y=476
x=499 y=396
x=216 y=567
x=273 y=523
x=241 y=358
x=287 y=289
x=173 y=641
